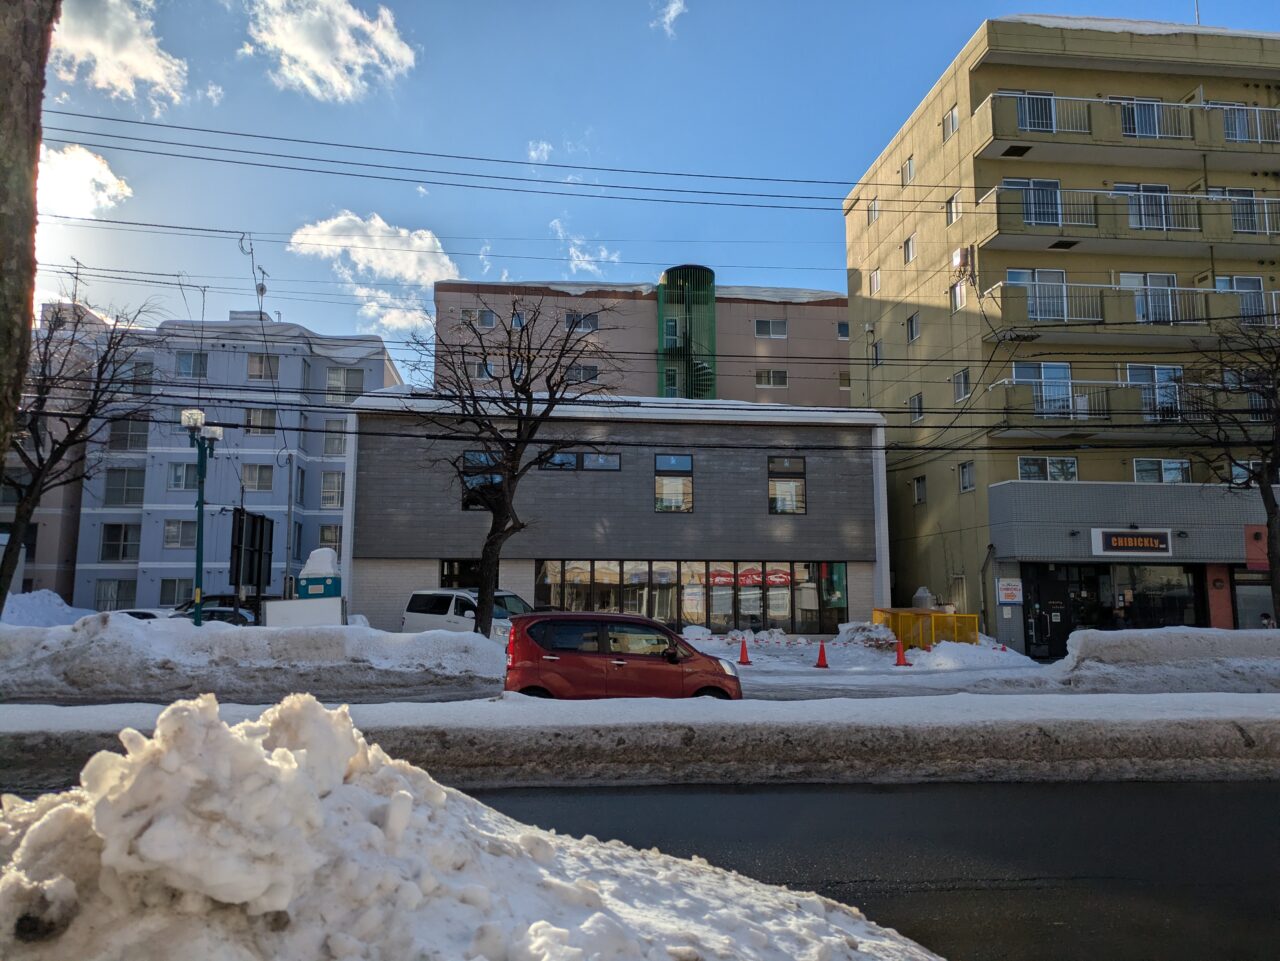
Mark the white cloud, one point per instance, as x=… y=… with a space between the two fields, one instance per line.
x=328 y=48
x=539 y=151
x=76 y=182
x=115 y=41
x=213 y=93
x=483 y=256
x=364 y=249
x=582 y=259
x=422 y=191
x=667 y=18
x=246 y=50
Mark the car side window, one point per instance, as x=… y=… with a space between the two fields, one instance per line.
x=637 y=639
x=434 y=604
x=463 y=606
x=582 y=636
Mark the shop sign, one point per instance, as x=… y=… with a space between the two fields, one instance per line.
x=1132 y=543
x=1009 y=590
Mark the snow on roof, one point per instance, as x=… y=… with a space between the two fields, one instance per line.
x=798 y=295
x=408 y=399
x=1116 y=25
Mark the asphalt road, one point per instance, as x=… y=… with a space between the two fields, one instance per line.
x=983 y=872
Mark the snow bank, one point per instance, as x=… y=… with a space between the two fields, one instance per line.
x=39 y=609
x=117 y=655
x=1167 y=645
x=290 y=837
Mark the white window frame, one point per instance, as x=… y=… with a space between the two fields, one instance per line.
x=965 y=475
x=335 y=437
x=920 y=489
x=332 y=489
x=256 y=472
x=188 y=470
x=950 y=122
x=175 y=531
x=909 y=170
x=183 y=589
x=875 y=281
x=333 y=542
x=960 y=386
x=909 y=249
x=844 y=379
x=263 y=367
x=953 y=208
x=1181 y=463
x=1048 y=473
x=959 y=296
x=583 y=374
x=342 y=393
x=126 y=488
x=774 y=378
x=845 y=325
x=575 y=321
x=915 y=404
x=774 y=328
x=129 y=543
x=913 y=327
x=873 y=210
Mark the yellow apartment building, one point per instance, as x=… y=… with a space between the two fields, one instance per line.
x=1033 y=260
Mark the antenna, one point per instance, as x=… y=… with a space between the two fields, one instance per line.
x=1197 y=13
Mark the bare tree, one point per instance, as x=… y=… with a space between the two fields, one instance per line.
x=499 y=379
x=26 y=27
x=1230 y=401
x=84 y=383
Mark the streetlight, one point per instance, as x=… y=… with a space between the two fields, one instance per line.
x=202 y=437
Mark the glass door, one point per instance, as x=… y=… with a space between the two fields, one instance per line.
x=1161 y=389
x=1046 y=292
x=1041 y=200
x=1153 y=296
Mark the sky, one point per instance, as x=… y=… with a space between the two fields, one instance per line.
x=742 y=87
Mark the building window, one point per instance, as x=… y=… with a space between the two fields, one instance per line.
x=950 y=122
x=29 y=539
x=960 y=384
x=844 y=379
x=561 y=460
x=842 y=330
x=300 y=486
x=342 y=385
x=965 y=474
x=480 y=482
x=331 y=488
x=175 y=591
x=120 y=542
x=877 y=353
x=875 y=281
x=913 y=327
x=129 y=433
x=919 y=489
x=264 y=367
x=1155 y=470
x=257 y=477
x=331 y=537
x=259 y=422
x=517 y=319
x=179 y=533
x=909 y=170
x=581 y=322
x=602 y=462
x=583 y=374
x=959 y=296
x=873 y=210
x=125 y=486
x=786 y=485
x=191 y=363
x=478 y=369
x=335 y=437
x=916 y=405
x=297 y=540
x=182 y=477
x=953 y=208
x=1047 y=469
x=115 y=595
x=771 y=329
x=909 y=249
x=673 y=483
x=771 y=377
x=141 y=376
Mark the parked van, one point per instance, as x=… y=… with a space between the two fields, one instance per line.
x=454 y=609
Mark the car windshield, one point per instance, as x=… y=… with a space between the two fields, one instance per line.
x=512 y=604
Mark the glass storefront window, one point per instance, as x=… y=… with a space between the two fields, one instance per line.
x=833 y=592
x=693 y=593
x=665 y=586
x=546 y=589
x=606 y=590
x=720 y=583
x=750 y=596
x=805 y=587
x=1154 y=595
x=635 y=587
x=1253 y=599
x=777 y=579
x=577 y=585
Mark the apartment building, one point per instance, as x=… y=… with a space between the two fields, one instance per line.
x=1033 y=259
x=732 y=515
x=282 y=394
x=685 y=336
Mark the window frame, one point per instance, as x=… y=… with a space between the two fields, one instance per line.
x=1048 y=469
x=668 y=471
x=175 y=584
x=791 y=470
x=908 y=170
x=326 y=491
x=133 y=435
x=336 y=541
x=771 y=376
x=575 y=321
x=875 y=280
x=1163 y=463
x=960 y=377
x=271 y=362
x=257 y=487
x=919 y=490
x=842 y=324
x=909 y=248
x=915 y=404
x=127 y=549
x=129 y=473
x=913 y=327
x=958 y=296
x=771 y=328
x=873 y=210
x=953 y=208
x=188 y=470
x=877 y=353
x=966 y=475
x=197 y=362
x=844 y=379
x=342 y=393
x=950 y=122
x=180 y=524
x=340 y=436
x=260 y=429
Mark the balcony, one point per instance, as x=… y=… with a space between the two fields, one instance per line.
x=1083 y=408
x=1079 y=313
x=1049 y=129
x=1126 y=222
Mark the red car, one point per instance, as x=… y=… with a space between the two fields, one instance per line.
x=578 y=655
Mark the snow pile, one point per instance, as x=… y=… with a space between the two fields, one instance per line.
x=1114 y=25
x=290 y=837
x=39 y=609
x=113 y=655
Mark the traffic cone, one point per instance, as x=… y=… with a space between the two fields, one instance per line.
x=1003 y=648
x=742 y=653
x=822 y=655
x=902 y=656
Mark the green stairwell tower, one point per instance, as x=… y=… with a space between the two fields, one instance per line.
x=687 y=332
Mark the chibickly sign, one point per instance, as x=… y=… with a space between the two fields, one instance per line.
x=1131 y=543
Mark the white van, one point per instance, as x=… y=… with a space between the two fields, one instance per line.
x=454 y=609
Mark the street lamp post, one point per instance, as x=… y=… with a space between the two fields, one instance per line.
x=203 y=437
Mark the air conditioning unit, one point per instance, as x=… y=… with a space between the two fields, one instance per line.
x=960 y=258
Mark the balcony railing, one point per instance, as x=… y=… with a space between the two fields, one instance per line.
x=1054 y=303
x=1058 y=399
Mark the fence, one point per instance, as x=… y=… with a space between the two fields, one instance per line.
x=921 y=627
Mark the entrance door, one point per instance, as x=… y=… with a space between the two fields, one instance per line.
x=1049 y=611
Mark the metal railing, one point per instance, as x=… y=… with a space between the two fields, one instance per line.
x=1148 y=120
x=1040 y=114
x=1049 y=303
x=1250 y=124
x=1065 y=399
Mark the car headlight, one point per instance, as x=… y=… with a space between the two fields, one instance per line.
x=728 y=667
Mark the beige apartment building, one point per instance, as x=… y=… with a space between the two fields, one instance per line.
x=1033 y=259
x=685 y=336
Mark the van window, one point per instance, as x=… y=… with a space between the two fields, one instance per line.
x=437 y=604
x=636 y=639
x=463 y=607
x=574 y=636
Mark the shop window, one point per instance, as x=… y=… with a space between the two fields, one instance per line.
x=606 y=587
x=635 y=588
x=665 y=591
x=577 y=585
x=693 y=593
x=786 y=485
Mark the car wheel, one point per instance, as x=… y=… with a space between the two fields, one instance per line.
x=536 y=692
x=712 y=692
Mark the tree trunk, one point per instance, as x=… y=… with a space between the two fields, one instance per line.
x=1272 y=508
x=26 y=27
x=13 y=550
x=490 y=555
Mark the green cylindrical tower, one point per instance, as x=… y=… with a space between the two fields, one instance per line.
x=687 y=332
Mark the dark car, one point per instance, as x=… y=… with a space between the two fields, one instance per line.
x=227 y=615
x=585 y=655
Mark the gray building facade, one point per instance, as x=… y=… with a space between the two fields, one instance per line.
x=721 y=514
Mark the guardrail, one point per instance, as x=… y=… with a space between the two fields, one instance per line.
x=1064 y=303
x=1142 y=119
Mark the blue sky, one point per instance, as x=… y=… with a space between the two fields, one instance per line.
x=812 y=90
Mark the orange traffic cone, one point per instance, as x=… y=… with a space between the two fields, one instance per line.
x=1003 y=648
x=742 y=653
x=822 y=654
x=902 y=657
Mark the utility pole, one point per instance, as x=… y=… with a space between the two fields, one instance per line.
x=288 y=534
x=202 y=437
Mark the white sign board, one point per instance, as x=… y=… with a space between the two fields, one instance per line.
x=1008 y=590
x=309 y=612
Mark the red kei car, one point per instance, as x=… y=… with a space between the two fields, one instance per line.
x=579 y=655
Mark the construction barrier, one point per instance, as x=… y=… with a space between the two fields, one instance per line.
x=922 y=627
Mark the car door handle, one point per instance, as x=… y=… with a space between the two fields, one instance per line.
x=619 y=663
x=550 y=657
